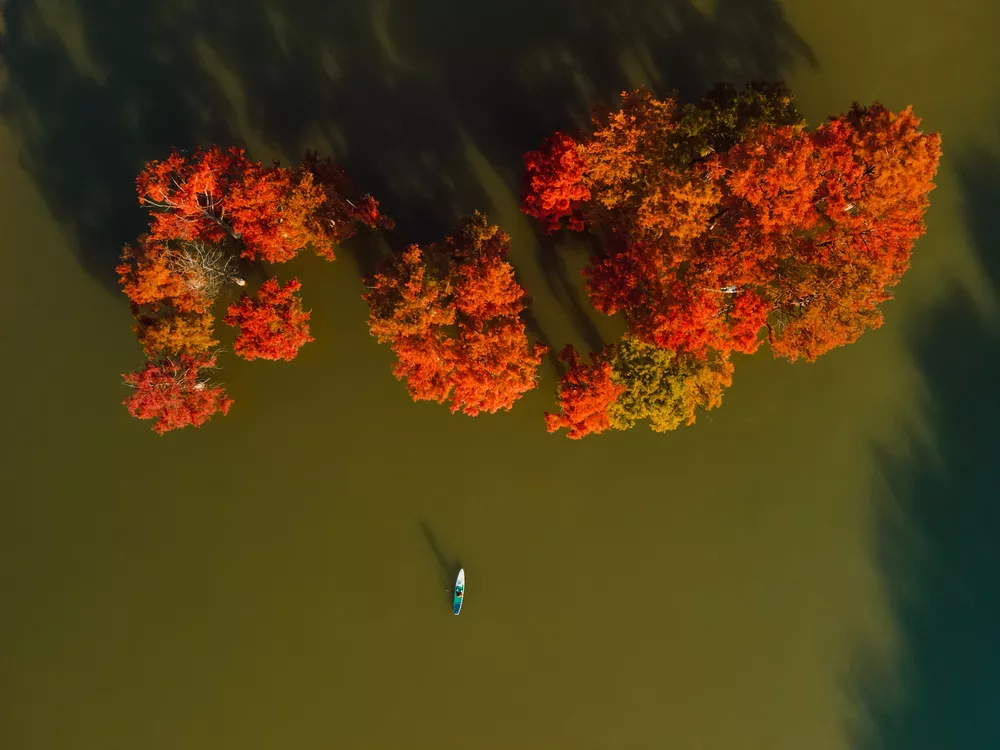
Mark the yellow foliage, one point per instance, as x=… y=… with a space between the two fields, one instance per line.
x=180 y=333
x=664 y=387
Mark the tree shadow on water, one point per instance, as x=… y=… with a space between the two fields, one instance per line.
x=569 y=294
x=94 y=90
x=401 y=88
x=940 y=540
x=393 y=88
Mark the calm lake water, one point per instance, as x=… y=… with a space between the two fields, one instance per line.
x=812 y=566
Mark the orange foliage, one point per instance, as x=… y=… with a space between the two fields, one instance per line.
x=773 y=177
x=273 y=326
x=451 y=313
x=407 y=298
x=206 y=209
x=494 y=365
x=717 y=225
x=183 y=333
x=427 y=363
x=877 y=169
x=586 y=393
x=409 y=308
x=273 y=212
x=147 y=279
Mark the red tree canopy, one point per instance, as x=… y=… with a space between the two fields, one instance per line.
x=727 y=217
x=451 y=313
x=586 y=395
x=273 y=212
x=272 y=326
x=494 y=365
x=175 y=393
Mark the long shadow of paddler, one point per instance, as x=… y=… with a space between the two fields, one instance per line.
x=448 y=569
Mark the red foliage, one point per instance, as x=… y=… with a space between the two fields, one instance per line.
x=186 y=195
x=451 y=313
x=272 y=326
x=585 y=395
x=409 y=308
x=494 y=365
x=407 y=298
x=338 y=217
x=206 y=208
x=175 y=394
x=274 y=212
x=427 y=363
x=802 y=234
x=877 y=169
x=556 y=187
x=772 y=178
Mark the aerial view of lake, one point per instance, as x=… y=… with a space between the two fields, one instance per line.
x=812 y=566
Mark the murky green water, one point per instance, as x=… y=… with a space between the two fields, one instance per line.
x=275 y=580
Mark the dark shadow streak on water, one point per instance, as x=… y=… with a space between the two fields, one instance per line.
x=87 y=132
x=940 y=533
x=448 y=568
x=395 y=86
x=568 y=293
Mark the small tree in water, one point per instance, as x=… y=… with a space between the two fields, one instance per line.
x=175 y=393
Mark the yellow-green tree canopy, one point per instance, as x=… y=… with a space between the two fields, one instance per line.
x=664 y=387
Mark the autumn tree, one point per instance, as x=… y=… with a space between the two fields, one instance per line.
x=188 y=333
x=452 y=314
x=726 y=218
x=272 y=326
x=586 y=394
x=636 y=161
x=633 y=381
x=150 y=279
x=207 y=210
x=876 y=171
x=664 y=387
x=272 y=212
x=175 y=393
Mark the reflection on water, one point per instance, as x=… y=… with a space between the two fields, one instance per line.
x=260 y=582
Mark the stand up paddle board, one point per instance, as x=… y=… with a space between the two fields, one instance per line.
x=459 y=593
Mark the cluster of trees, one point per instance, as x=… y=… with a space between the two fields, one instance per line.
x=720 y=221
x=210 y=212
x=715 y=225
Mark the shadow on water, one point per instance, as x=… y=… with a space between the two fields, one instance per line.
x=939 y=535
x=391 y=88
x=95 y=92
x=447 y=568
x=572 y=300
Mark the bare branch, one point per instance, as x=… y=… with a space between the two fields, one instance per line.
x=204 y=268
